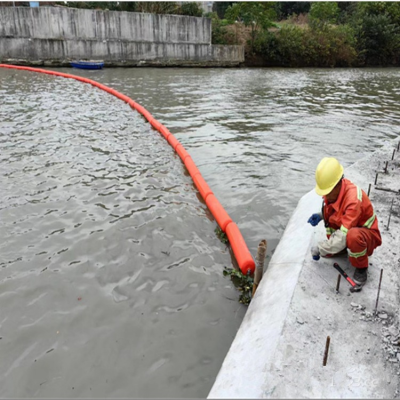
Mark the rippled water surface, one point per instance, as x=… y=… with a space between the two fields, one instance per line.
x=111 y=275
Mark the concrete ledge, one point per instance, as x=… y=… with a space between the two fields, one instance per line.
x=56 y=52
x=252 y=353
x=278 y=350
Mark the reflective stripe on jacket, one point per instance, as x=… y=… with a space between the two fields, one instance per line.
x=351 y=209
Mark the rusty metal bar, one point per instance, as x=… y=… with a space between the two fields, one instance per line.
x=369 y=190
x=379 y=290
x=388 y=190
x=338 y=283
x=376 y=178
x=328 y=341
x=390 y=214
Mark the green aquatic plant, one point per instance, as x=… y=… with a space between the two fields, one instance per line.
x=244 y=283
x=221 y=235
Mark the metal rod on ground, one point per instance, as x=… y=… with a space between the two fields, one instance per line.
x=261 y=252
x=386 y=165
x=390 y=213
x=388 y=190
x=398 y=147
x=328 y=341
x=376 y=178
x=338 y=283
x=379 y=290
x=369 y=190
x=394 y=151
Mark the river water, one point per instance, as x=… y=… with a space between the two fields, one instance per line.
x=111 y=278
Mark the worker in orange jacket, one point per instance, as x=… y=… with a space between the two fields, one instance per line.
x=349 y=217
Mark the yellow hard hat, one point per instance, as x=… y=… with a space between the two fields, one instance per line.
x=328 y=174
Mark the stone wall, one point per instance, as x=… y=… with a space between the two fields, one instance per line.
x=56 y=35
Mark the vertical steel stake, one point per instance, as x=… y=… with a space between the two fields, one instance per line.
x=379 y=290
x=369 y=190
x=376 y=178
x=338 y=283
x=393 y=153
x=385 y=170
x=328 y=341
x=390 y=213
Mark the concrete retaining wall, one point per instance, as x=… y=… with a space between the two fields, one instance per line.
x=54 y=36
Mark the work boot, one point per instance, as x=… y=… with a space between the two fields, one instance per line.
x=360 y=276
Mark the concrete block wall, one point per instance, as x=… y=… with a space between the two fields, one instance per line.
x=56 y=35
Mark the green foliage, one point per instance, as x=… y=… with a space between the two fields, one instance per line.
x=219 y=33
x=390 y=8
x=285 y=9
x=257 y=15
x=220 y=8
x=294 y=46
x=221 y=235
x=127 y=6
x=378 y=40
x=191 y=8
x=93 y=5
x=157 y=7
x=244 y=283
x=324 y=12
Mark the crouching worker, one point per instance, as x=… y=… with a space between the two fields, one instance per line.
x=349 y=218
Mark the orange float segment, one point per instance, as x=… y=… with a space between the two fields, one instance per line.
x=123 y=97
x=164 y=131
x=173 y=141
x=202 y=186
x=155 y=124
x=182 y=153
x=191 y=167
x=132 y=103
x=239 y=247
x=219 y=213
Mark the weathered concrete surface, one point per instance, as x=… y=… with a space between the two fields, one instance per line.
x=53 y=36
x=69 y=23
x=278 y=350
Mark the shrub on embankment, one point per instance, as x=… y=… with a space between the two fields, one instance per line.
x=330 y=35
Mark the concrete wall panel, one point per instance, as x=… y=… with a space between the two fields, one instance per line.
x=56 y=35
x=70 y=23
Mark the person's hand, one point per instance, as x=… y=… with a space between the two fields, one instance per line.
x=314 y=219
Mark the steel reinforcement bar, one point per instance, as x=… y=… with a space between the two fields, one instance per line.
x=239 y=247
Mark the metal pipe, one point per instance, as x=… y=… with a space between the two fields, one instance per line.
x=376 y=178
x=393 y=153
x=385 y=170
x=369 y=190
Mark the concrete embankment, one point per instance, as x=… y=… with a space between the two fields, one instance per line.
x=53 y=36
x=278 y=351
